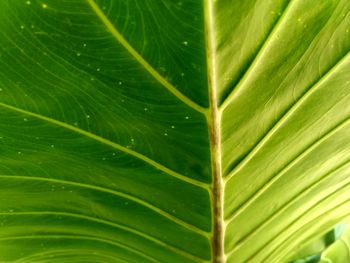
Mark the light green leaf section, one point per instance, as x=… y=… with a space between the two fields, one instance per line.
x=287 y=120
x=172 y=131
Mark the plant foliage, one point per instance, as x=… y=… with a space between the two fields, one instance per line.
x=172 y=131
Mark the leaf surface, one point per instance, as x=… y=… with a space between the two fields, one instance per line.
x=172 y=131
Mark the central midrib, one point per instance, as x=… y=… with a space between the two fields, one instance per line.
x=214 y=120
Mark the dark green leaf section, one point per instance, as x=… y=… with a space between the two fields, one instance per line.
x=171 y=39
x=64 y=52
x=99 y=160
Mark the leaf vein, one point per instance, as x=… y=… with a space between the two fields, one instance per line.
x=305 y=227
x=256 y=59
x=111 y=144
x=113 y=224
x=115 y=193
x=292 y=200
x=152 y=71
x=284 y=118
x=117 y=244
x=294 y=161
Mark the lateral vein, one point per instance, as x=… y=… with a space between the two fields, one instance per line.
x=91 y=238
x=256 y=59
x=291 y=164
x=111 y=144
x=115 y=193
x=109 y=223
x=287 y=115
x=156 y=75
x=296 y=198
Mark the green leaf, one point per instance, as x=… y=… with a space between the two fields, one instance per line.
x=172 y=131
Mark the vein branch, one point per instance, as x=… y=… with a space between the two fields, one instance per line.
x=80 y=237
x=296 y=198
x=156 y=75
x=116 y=193
x=288 y=114
x=257 y=58
x=108 y=223
x=109 y=143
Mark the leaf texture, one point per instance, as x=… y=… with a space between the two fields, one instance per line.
x=172 y=131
